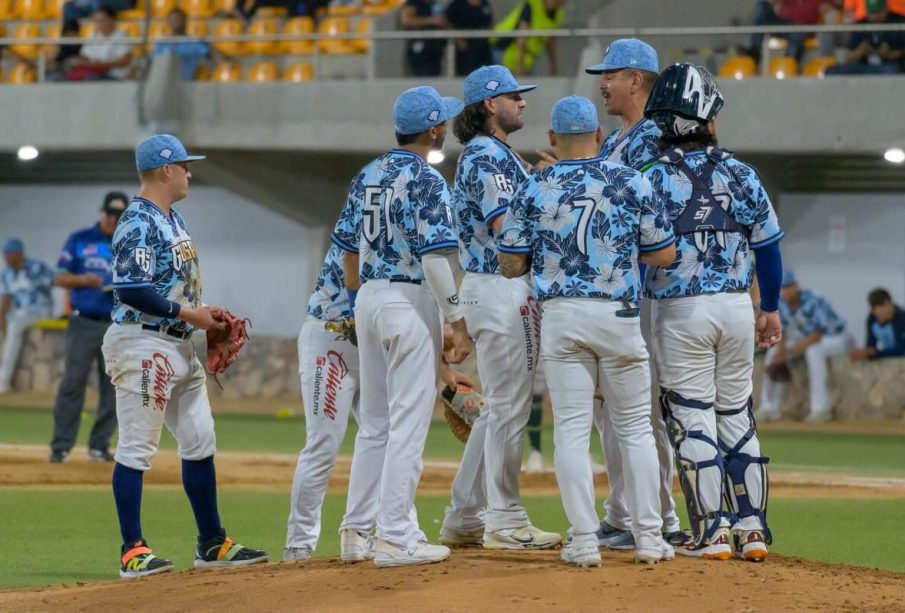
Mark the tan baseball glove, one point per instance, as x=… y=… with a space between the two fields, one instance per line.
x=461 y=407
x=223 y=346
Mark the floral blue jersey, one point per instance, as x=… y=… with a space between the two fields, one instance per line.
x=814 y=314
x=398 y=210
x=712 y=262
x=329 y=301
x=584 y=222
x=29 y=287
x=154 y=249
x=639 y=146
x=487 y=175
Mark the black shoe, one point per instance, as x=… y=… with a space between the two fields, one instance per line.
x=137 y=560
x=222 y=552
x=99 y=455
x=58 y=457
x=678 y=538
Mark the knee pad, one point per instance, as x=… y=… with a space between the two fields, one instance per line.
x=747 y=481
x=692 y=464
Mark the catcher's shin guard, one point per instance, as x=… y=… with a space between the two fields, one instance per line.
x=747 y=481
x=701 y=471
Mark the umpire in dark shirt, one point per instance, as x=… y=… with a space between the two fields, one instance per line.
x=86 y=269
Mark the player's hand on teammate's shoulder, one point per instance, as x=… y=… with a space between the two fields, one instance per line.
x=546 y=160
x=460 y=346
x=768 y=329
x=202 y=317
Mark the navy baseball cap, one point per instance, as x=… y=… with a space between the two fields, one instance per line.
x=418 y=109
x=573 y=115
x=788 y=277
x=13 y=245
x=490 y=82
x=627 y=53
x=159 y=150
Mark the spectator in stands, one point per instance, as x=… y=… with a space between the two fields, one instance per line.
x=106 y=57
x=86 y=268
x=423 y=57
x=24 y=297
x=471 y=53
x=520 y=54
x=813 y=329
x=856 y=10
x=191 y=52
x=874 y=52
x=885 y=329
x=76 y=9
x=61 y=62
x=794 y=12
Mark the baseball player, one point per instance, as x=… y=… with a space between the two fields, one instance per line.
x=703 y=316
x=398 y=232
x=329 y=373
x=502 y=316
x=151 y=361
x=581 y=225
x=627 y=74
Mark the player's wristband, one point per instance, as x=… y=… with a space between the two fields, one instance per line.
x=353 y=294
x=769 y=276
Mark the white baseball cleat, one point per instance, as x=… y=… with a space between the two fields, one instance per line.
x=355 y=546
x=296 y=554
x=582 y=552
x=454 y=537
x=535 y=463
x=717 y=548
x=527 y=537
x=420 y=552
x=749 y=545
x=653 y=555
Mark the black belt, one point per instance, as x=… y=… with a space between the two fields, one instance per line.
x=180 y=334
x=412 y=281
x=104 y=318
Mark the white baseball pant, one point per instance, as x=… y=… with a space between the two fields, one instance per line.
x=17 y=324
x=585 y=344
x=159 y=380
x=328 y=369
x=503 y=319
x=399 y=345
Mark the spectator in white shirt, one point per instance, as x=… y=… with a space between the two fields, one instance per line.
x=106 y=56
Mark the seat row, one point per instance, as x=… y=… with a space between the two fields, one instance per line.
x=744 y=67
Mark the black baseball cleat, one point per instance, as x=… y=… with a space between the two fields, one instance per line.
x=678 y=538
x=139 y=561
x=99 y=455
x=58 y=457
x=222 y=552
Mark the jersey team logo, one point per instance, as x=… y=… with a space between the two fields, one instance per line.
x=183 y=252
x=143 y=258
x=492 y=85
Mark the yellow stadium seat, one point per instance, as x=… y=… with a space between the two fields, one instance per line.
x=225 y=6
x=331 y=26
x=343 y=10
x=53 y=9
x=299 y=72
x=739 y=67
x=272 y=12
x=203 y=73
x=817 y=66
x=263 y=72
x=198 y=28
x=197 y=8
x=295 y=26
x=229 y=27
x=782 y=67
x=132 y=29
x=162 y=8
x=137 y=13
x=50 y=50
x=9 y=10
x=32 y=10
x=361 y=45
x=26 y=30
x=21 y=74
x=263 y=25
x=159 y=29
x=227 y=72
x=87 y=29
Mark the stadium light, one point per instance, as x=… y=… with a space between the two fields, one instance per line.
x=27 y=153
x=435 y=157
x=894 y=155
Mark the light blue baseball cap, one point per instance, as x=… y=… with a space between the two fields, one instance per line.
x=573 y=115
x=420 y=108
x=159 y=150
x=13 y=245
x=490 y=82
x=788 y=277
x=627 y=53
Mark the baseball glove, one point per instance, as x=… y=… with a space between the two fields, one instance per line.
x=779 y=373
x=461 y=407
x=344 y=328
x=223 y=346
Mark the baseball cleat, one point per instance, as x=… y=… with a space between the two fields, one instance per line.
x=139 y=561
x=717 y=549
x=58 y=457
x=527 y=537
x=535 y=463
x=614 y=538
x=653 y=555
x=222 y=552
x=99 y=455
x=420 y=552
x=454 y=537
x=355 y=546
x=296 y=554
x=749 y=545
x=582 y=552
x=678 y=538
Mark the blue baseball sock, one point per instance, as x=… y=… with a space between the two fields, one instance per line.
x=127 y=484
x=200 y=482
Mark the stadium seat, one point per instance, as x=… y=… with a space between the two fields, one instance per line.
x=738 y=67
x=9 y=10
x=273 y=12
x=197 y=8
x=50 y=50
x=260 y=26
x=22 y=74
x=137 y=13
x=87 y=29
x=198 y=28
x=27 y=51
x=132 y=29
x=263 y=72
x=229 y=27
x=295 y=26
x=32 y=10
x=203 y=73
x=162 y=8
x=817 y=66
x=782 y=67
x=361 y=45
x=331 y=26
x=299 y=72
x=53 y=9
x=227 y=72
x=343 y=10
x=159 y=29
x=227 y=7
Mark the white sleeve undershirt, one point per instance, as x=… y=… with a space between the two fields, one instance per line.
x=439 y=276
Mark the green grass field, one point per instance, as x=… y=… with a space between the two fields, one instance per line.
x=62 y=536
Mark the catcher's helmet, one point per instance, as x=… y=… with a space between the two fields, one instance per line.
x=682 y=101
